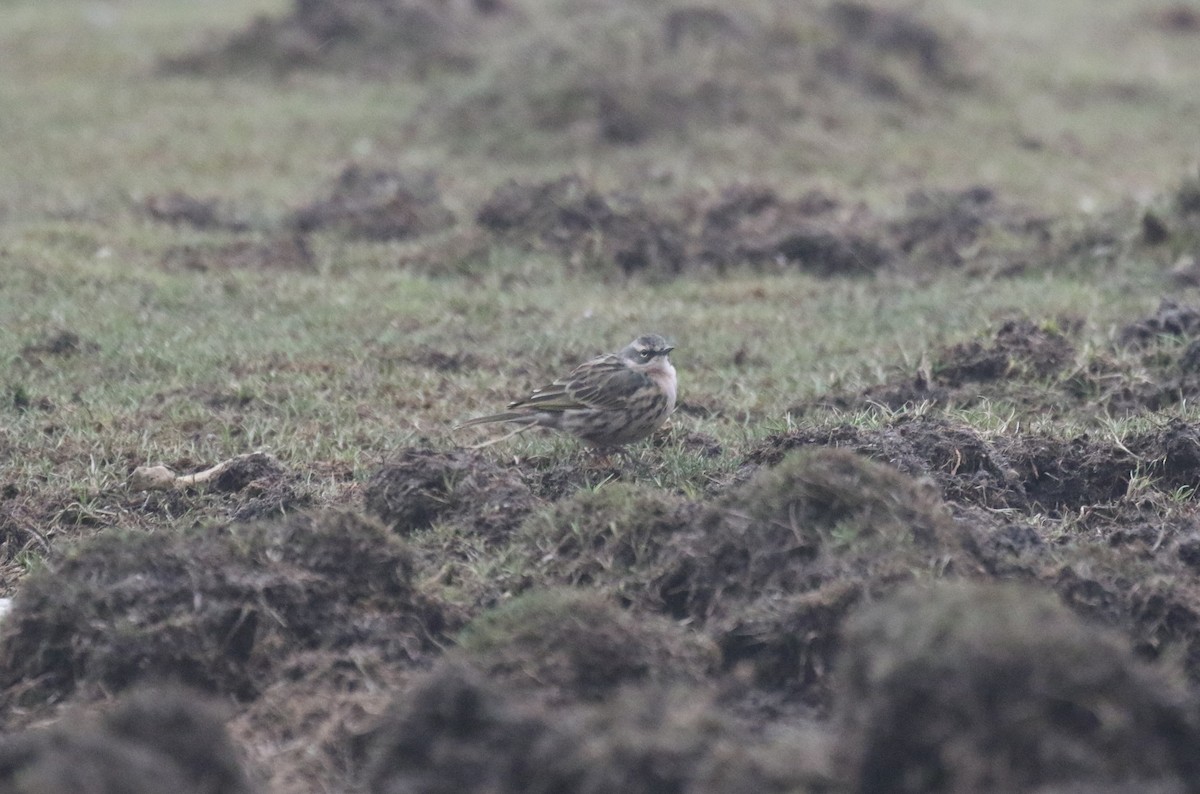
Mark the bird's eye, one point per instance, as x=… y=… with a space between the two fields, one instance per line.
x=646 y=355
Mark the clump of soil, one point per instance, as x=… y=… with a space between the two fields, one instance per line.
x=1036 y=368
x=615 y=536
x=941 y=229
x=421 y=487
x=1026 y=472
x=794 y=549
x=619 y=234
x=251 y=468
x=1022 y=363
x=636 y=72
x=830 y=498
x=361 y=35
x=1155 y=363
x=1021 y=350
x=377 y=205
x=965 y=687
x=456 y=733
x=952 y=454
x=251 y=486
x=620 y=72
x=152 y=741
x=1174 y=215
x=879 y=48
x=1176 y=18
x=651 y=739
x=63 y=343
x=305 y=732
x=936 y=230
x=1140 y=582
x=1171 y=319
x=438 y=360
x=577 y=645
x=753 y=225
x=219 y=608
x=1170 y=230
x=179 y=208
x=288 y=252
x=768 y=570
x=459 y=733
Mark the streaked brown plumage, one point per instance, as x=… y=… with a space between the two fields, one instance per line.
x=611 y=400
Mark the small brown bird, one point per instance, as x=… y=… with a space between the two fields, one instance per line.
x=611 y=400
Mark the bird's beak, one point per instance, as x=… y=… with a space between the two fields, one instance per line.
x=666 y=351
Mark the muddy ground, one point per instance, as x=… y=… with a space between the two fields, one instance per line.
x=883 y=598
x=910 y=605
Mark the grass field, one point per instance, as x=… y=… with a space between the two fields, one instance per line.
x=937 y=237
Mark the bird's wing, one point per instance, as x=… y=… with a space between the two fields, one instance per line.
x=602 y=383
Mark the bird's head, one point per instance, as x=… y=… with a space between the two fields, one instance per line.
x=648 y=352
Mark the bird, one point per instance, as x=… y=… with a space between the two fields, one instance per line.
x=608 y=401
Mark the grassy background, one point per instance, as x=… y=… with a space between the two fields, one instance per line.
x=324 y=369
x=114 y=355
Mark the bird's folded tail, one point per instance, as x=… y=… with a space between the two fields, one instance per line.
x=526 y=422
x=508 y=416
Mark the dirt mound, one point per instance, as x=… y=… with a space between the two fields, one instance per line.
x=377 y=205
x=624 y=234
x=795 y=548
x=576 y=645
x=63 y=343
x=247 y=487
x=620 y=72
x=950 y=228
x=1174 y=217
x=592 y=232
x=179 y=209
x=753 y=225
x=438 y=360
x=1141 y=583
x=1022 y=363
x=878 y=46
x=636 y=72
x=454 y=733
x=421 y=487
x=767 y=570
x=287 y=252
x=1000 y=688
x=1170 y=319
x=1168 y=232
x=1155 y=363
x=243 y=471
x=935 y=231
x=305 y=732
x=613 y=535
x=1037 y=368
x=154 y=741
x=1026 y=472
x=1021 y=349
x=852 y=499
x=218 y=608
x=36 y=516
x=458 y=733
x=1175 y=18
x=651 y=740
x=381 y=36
